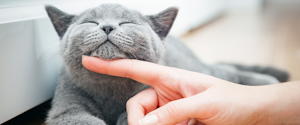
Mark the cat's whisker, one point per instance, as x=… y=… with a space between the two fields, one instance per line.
x=169 y=60
x=130 y=53
x=48 y=49
x=86 y=4
x=45 y=63
x=50 y=41
x=50 y=58
x=92 y=10
x=143 y=47
x=134 y=55
x=130 y=56
x=90 y=3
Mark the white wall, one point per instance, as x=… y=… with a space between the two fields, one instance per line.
x=244 y=6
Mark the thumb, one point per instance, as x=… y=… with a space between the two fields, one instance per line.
x=173 y=112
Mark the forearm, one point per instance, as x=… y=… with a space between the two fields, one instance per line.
x=282 y=104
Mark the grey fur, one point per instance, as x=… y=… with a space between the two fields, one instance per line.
x=112 y=31
x=281 y=75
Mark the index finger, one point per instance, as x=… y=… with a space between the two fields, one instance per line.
x=145 y=72
x=141 y=71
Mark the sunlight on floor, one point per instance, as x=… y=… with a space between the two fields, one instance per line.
x=268 y=38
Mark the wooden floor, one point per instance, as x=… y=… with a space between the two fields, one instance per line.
x=268 y=38
x=271 y=37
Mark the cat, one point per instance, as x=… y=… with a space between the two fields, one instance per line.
x=111 y=31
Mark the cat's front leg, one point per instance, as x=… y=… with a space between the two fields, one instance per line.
x=72 y=106
x=254 y=79
x=122 y=120
x=72 y=115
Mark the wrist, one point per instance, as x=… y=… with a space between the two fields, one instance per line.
x=280 y=104
x=265 y=105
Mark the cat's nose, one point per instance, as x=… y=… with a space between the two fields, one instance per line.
x=107 y=29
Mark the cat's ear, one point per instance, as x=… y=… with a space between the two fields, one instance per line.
x=163 y=21
x=60 y=19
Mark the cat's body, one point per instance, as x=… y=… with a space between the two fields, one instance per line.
x=113 y=32
x=245 y=75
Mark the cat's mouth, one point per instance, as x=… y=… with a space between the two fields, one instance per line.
x=109 y=51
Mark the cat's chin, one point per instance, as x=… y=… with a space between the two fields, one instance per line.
x=108 y=51
x=110 y=58
x=114 y=57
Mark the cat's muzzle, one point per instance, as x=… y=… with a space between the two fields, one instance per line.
x=108 y=51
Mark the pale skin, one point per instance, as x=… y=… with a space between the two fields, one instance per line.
x=177 y=96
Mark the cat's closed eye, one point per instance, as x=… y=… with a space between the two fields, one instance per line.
x=93 y=22
x=125 y=23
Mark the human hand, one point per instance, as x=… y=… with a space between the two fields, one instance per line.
x=182 y=95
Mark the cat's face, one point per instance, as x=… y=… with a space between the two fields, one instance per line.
x=111 y=31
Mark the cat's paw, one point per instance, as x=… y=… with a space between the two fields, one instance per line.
x=281 y=75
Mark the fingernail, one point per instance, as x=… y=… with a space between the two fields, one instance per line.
x=149 y=120
x=83 y=56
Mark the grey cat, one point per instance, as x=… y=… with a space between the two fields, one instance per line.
x=111 y=31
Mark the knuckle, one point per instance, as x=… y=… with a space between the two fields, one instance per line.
x=130 y=72
x=130 y=102
x=163 y=76
x=172 y=108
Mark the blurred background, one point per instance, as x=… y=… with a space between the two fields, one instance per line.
x=249 y=32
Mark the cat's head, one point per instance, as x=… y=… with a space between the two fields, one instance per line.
x=111 y=31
